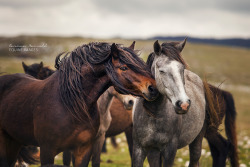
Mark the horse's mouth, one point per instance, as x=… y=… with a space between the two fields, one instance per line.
x=181 y=112
x=150 y=97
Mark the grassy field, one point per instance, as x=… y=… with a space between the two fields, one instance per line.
x=219 y=64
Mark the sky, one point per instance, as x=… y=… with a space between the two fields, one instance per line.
x=126 y=18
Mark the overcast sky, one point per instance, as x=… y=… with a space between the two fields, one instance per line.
x=126 y=18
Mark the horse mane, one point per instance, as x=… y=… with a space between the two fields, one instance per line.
x=169 y=50
x=69 y=67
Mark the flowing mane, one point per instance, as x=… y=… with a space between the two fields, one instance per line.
x=69 y=67
x=169 y=49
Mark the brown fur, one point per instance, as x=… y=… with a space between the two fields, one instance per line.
x=121 y=119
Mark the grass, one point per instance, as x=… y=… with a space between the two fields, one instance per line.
x=217 y=63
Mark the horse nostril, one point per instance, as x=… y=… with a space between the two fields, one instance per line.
x=178 y=103
x=151 y=89
x=131 y=102
x=189 y=101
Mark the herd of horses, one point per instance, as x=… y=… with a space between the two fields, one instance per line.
x=90 y=96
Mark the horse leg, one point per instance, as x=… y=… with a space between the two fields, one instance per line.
x=66 y=158
x=97 y=148
x=47 y=155
x=219 y=147
x=169 y=154
x=104 y=147
x=82 y=155
x=3 y=153
x=195 y=148
x=9 y=150
x=139 y=155
x=128 y=133
x=154 y=158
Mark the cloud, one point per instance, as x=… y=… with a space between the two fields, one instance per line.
x=130 y=18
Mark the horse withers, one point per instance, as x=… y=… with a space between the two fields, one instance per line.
x=60 y=112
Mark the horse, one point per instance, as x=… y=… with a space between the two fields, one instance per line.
x=220 y=147
x=177 y=118
x=61 y=112
x=37 y=70
x=120 y=111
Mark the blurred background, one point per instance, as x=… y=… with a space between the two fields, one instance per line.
x=218 y=45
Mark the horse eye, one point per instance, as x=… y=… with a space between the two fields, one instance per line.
x=161 y=71
x=123 y=68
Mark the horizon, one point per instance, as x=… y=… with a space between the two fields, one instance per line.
x=117 y=37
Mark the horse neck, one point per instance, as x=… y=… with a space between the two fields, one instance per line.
x=104 y=102
x=154 y=107
x=94 y=85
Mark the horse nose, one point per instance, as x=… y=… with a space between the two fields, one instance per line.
x=131 y=102
x=178 y=104
x=152 y=90
x=183 y=105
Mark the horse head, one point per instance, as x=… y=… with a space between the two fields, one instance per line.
x=129 y=74
x=169 y=69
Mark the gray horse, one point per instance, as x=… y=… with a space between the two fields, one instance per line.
x=177 y=117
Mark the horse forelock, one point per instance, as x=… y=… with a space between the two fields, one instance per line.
x=133 y=61
x=169 y=49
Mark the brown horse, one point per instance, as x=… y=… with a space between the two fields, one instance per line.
x=37 y=70
x=60 y=112
x=120 y=111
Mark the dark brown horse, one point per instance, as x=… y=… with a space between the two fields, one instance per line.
x=220 y=147
x=60 y=112
x=37 y=70
x=120 y=110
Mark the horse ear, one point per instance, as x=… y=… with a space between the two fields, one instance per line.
x=114 y=50
x=132 y=46
x=181 y=44
x=41 y=64
x=25 y=67
x=157 y=48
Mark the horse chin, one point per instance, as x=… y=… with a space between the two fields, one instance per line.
x=128 y=107
x=149 y=97
x=181 y=112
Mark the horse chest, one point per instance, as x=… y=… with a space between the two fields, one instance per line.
x=156 y=132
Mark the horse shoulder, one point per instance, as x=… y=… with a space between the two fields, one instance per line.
x=194 y=86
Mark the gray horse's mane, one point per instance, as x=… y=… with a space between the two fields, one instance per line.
x=168 y=49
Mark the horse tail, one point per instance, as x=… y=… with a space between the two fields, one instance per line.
x=28 y=155
x=212 y=107
x=231 y=127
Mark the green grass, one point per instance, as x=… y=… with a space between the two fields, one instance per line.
x=217 y=63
